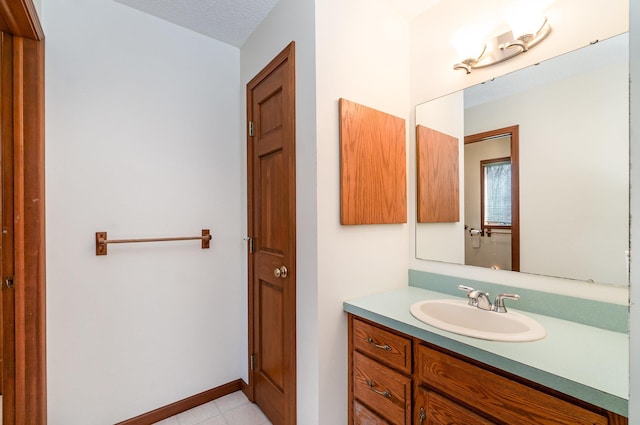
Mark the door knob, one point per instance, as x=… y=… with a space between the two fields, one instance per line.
x=281 y=272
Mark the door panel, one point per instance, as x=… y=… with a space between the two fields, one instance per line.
x=271 y=215
x=272 y=230
x=271 y=333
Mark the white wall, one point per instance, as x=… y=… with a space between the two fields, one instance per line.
x=634 y=389
x=143 y=139
x=574 y=24
x=362 y=55
x=293 y=20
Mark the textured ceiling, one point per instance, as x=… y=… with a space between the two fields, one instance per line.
x=233 y=21
x=230 y=21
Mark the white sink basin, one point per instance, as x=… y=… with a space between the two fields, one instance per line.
x=458 y=317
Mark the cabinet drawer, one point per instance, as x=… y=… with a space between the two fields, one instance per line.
x=382 y=389
x=433 y=409
x=502 y=398
x=364 y=416
x=386 y=347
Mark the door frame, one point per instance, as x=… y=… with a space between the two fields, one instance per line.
x=287 y=54
x=26 y=395
x=514 y=133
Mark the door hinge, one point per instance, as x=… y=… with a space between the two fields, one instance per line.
x=249 y=240
x=252 y=361
x=250 y=128
x=8 y=282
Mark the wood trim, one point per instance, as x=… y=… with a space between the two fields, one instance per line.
x=185 y=404
x=29 y=204
x=515 y=197
x=245 y=389
x=514 y=131
x=350 y=405
x=24 y=380
x=21 y=19
x=615 y=419
x=7 y=266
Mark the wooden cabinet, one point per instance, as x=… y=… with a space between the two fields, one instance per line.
x=373 y=184
x=433 y=409
x=385 y=346
x=364 y=416
x=380 y=382
x=494 y=396
x=396 y=379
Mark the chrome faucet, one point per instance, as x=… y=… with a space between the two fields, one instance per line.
x=498 y=306
x=481 y=299
x=472 y=295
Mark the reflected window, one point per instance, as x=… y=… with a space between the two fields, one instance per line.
x=496 y=193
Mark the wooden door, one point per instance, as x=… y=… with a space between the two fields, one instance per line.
x=271 y=217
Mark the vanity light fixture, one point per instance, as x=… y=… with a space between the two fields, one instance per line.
x=505 y=46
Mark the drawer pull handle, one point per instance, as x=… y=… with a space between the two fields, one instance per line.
x=423 y=416
x=384 y=393
x=382 y=347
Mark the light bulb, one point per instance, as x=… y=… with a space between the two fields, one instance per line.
x=469 y=43
x=525 y=19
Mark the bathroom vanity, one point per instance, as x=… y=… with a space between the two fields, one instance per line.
x=403 y=371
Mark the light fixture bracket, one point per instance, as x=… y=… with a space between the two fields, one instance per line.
x=504 y=47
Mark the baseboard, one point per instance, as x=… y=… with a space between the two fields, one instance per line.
x=188 y=403
x=245 y=390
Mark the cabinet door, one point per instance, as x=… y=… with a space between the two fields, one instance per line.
x=433 y=409
x=502 y=398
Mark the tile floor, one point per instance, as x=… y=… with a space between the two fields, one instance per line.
x=232 y=409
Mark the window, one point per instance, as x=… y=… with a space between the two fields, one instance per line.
x=496 y=193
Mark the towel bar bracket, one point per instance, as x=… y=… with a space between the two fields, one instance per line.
x=101 y=244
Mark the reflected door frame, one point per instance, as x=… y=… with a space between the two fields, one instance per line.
x=513 y=132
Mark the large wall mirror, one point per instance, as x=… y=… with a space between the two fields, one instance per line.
x=560 y=202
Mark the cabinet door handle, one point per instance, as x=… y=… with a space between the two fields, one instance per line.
x=384 y=393
x=423 y=416
x=382 y=347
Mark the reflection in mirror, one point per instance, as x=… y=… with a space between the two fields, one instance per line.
x=491 y=199
x=573 y=118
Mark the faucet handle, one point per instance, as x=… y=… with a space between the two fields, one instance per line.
x=472 y=294
x=499 y=307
